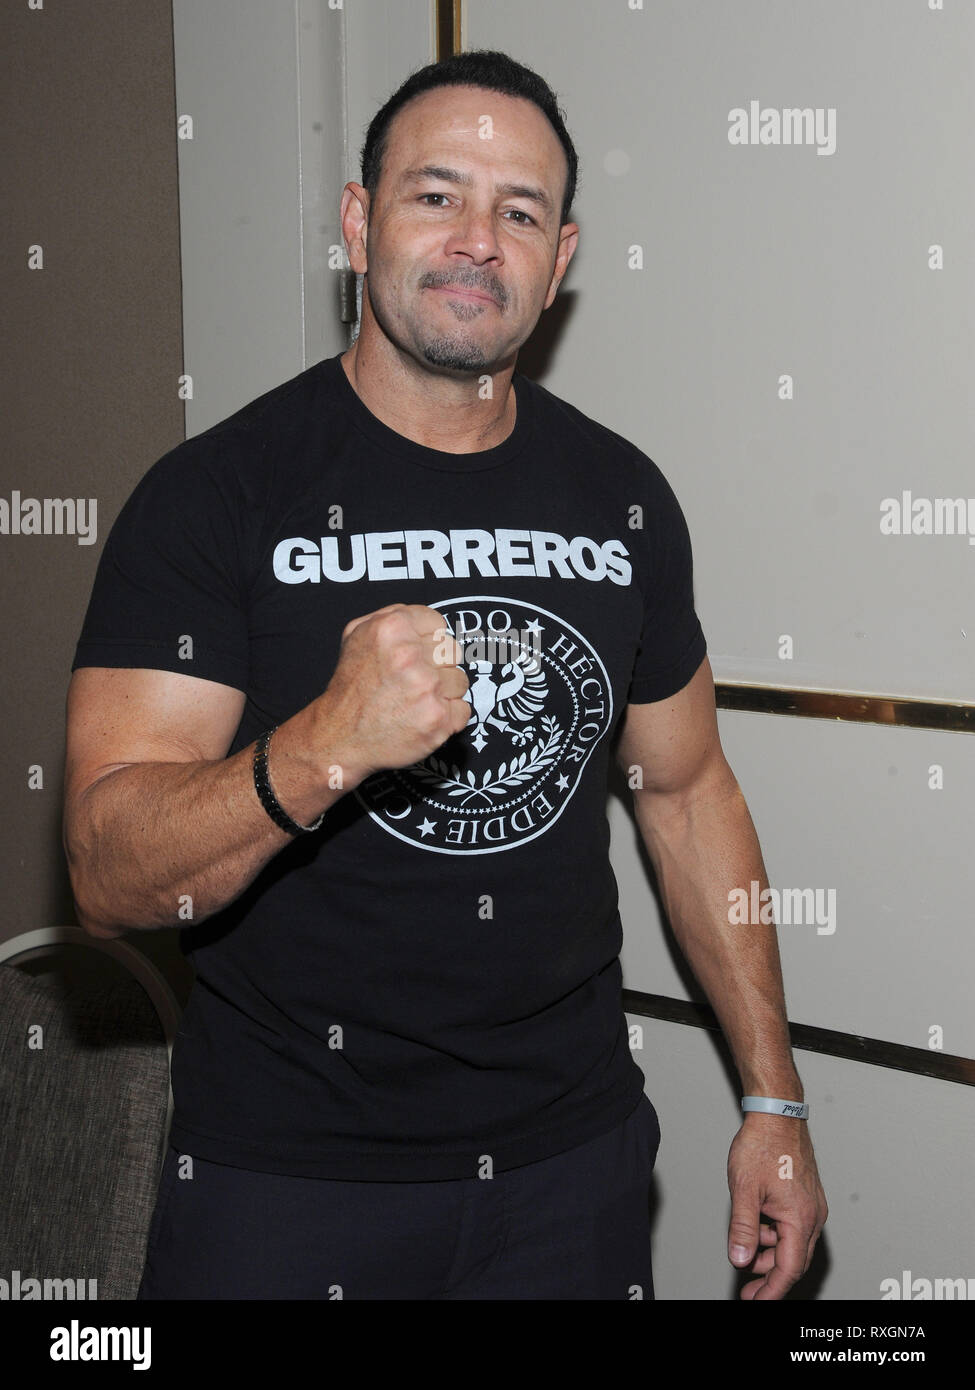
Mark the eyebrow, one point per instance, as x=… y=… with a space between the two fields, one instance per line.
x=515 y=190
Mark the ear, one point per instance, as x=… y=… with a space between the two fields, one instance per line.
x=354 y=220
x=568 y=241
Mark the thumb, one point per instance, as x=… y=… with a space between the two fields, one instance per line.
x=743 y=1229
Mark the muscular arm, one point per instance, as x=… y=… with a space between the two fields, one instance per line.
x=154 y=808
x=699 y=834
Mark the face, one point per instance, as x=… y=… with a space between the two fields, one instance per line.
x=462 y=246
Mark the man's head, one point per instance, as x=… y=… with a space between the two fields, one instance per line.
x=460 y=223
x=484 y=68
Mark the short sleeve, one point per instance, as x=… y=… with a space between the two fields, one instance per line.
x=672 y=643
x=169 y=591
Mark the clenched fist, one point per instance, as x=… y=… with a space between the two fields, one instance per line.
x=397 y=692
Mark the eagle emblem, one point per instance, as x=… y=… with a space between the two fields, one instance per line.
x=506 y=700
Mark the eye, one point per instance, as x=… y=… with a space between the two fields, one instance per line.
x=432 y=195
x=523 y=214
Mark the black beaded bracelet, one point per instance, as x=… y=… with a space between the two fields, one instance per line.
x=262 y=781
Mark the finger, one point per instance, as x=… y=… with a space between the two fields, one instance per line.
x=462 y=715
x=427 y=622
x=788 y=1267
x=817 y=1229
x=763 y=1262
x=424 y=619
x=452 y=684
x=743 y=1227
x=765 y=1259
x=447 y=651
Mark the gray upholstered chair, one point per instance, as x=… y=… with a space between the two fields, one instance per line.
x=85 y=1106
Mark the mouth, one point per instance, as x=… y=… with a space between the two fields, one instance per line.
x=458 y=292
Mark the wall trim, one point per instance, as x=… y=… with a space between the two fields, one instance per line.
x=910 y=713
x=447 y=28
x=920 y=1061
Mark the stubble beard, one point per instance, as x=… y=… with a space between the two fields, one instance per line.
x=458 y=352
x=458 y=355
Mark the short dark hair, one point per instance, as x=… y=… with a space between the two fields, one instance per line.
x=481 y=67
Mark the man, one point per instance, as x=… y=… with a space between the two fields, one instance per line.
x=342 y=709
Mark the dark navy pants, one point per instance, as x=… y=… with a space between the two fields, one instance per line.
x=573 y=1226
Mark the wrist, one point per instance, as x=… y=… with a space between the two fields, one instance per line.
x=302 y=782
x=332 y=757
x=784 y=1085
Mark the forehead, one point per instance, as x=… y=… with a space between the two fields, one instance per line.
x=479 y=125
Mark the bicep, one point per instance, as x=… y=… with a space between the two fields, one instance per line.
x=117 y=716
x=674 y=742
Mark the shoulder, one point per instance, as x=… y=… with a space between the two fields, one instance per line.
x=275 y=411
x=241 y=451
x=597 y=441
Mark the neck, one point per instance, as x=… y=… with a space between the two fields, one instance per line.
x=435 y=409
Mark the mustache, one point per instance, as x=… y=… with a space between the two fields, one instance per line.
x=465 y=280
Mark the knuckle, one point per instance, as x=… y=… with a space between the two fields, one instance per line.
x=429 y=716
x=402 y=659
x=392 y=622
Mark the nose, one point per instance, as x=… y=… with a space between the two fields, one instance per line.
x=474 y=234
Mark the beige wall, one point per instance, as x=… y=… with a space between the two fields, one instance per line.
x=761 y=262
x=93 y=351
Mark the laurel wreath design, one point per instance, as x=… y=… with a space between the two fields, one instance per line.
x=494 y=783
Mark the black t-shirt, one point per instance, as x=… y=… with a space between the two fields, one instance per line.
x=433 y=976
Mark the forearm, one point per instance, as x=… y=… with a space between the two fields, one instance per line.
x=701 y=848
x=160 y=844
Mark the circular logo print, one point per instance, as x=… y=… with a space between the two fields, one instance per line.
x=540 y=701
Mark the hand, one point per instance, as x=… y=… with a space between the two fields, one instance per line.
x=796 y=1204
x=397 y=692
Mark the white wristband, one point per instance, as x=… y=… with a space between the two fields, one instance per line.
x=797 y=1109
